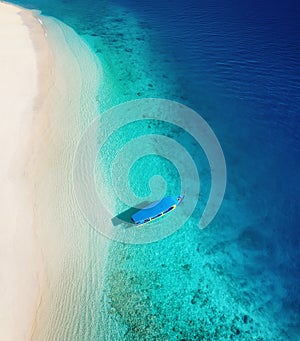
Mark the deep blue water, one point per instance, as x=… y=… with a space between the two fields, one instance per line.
x=236 y=63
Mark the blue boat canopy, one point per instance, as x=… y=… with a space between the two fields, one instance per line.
x=155 y=209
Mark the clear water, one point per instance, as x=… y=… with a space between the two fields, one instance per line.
x=238 y=65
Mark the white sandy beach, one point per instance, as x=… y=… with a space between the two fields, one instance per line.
x=48 y=84
x=20 y=255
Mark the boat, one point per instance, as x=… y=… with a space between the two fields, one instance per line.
x=156 y=210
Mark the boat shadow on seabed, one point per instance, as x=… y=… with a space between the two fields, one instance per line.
x=125 y=216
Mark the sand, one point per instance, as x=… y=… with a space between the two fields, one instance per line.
x=48 y=96
x=20 y=254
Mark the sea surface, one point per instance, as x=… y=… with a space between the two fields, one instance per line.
x=237 y=65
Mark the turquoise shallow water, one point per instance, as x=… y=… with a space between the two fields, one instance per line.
x=238 y=278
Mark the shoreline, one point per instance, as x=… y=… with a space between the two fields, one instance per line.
x=69 y=244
